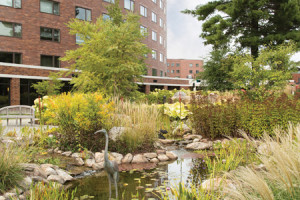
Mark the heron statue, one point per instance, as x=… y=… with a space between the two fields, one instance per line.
x=111 y=167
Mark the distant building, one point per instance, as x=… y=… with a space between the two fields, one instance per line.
x=184 y=68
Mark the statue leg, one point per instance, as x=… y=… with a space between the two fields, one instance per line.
x=116 y=184
x=109 y=183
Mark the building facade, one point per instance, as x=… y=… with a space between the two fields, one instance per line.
x=184 y=68
x=34 y=35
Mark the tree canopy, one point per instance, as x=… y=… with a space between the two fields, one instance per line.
x=249 y=23
x=112 y=57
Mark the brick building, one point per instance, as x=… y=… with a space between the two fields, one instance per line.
x=33 y=36
x=184 y=68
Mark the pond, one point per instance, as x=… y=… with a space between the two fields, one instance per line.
x=189 y=167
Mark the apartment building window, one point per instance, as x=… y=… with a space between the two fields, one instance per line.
x=172 y=71
x=50 y=61
x=50 y=34
x=154 y=1
x=109 y=1
x=78 y=39
x=10 y=29
x=168 y=70
x=161 y=73
x=143 y=30
x=154 y=72
x=11 y=3
x=154 y=36
x=191 y=65
x=129 y=4
x=172 y=65
x=177 y=65
x=161 y=57
x=168 y=64
x=160 y=4
x=160 y=39
x=105 y=17
x=197 y=65
x=10 y=57
x=191 y=71
x=197 y=71
x=154 y=17
x=143 y=11
x=50 y=7
x=161 y=23
x=154 y=54
x=83 y=14
x=177 y=71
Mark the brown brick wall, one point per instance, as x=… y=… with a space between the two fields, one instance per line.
x=184 y=67
x=296 y=78
x=32 y=19
x=15 y=91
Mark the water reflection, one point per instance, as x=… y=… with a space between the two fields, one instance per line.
x=146 y=182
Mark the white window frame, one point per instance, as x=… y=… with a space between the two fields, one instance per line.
x=143 y=11
x=154 y=36
x=154 y=17
x=161 y=39
x=161 y=57
x=154 y=54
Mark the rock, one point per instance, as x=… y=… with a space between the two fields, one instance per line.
x=76 y=155
x=2 y=198
x=64 y=175
x=196 y=140
x=59 y=151
x=40 y=172
x=22 y=197
x=56 y=150
x=98 y=166
x=89 y=162
x=79 y=162
x=216 y=183
x=29 y=166
x=99 y=157
x=160 y=151
x=127 y=158
x=192 y=137
x=117 y=157
x=10 y=195
x=150 y=155
x=67 y=153
x=154 y=160
x=184 y=142
x=225 y=143
x=171 y=155
x=36 y=179
x=167 y=141
x=199 y=146
x=56 y=178
x=182 y=129
x=26 y=183
x=48 y=170
x=158 y=145
x=162 y=157
x=8 y=142
x=139 y=158
x=260 y=167
x=262 y=149
x=50 y=150
x=116 y=132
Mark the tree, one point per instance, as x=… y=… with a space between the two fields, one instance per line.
x=49 y=87
x=267 y=73
x=217 y=71
x=249 y=23
x=112 y=57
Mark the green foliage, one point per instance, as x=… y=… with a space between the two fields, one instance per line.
x=249 y=23
x=267 y=73
x=11 y=173
x=50 y=191
x=51 y=87
x=78 y=117
x=254 y=117
x=157 y=96
x=217 y=71
x=176 y=110
x=53 y=161
x=111 y=58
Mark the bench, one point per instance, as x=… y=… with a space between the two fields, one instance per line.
x=18 y=112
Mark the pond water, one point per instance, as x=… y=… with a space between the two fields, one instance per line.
x=189 y=167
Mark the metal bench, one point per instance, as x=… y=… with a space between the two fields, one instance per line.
x=18 y=112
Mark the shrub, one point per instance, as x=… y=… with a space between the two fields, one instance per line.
x=157 y=96
x=176 y=110
x=78 y=117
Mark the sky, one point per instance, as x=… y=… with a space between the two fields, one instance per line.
x=184 y=31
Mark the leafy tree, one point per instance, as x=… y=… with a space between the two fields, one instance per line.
x=267 y=73
x=249 y=23
x=49 y=87
x=217 y=71
x=111 y=58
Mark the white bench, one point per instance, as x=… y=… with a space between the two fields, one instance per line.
x=18 y=112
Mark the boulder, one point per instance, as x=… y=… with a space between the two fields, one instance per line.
x=22 y=197
x=117 y=157
x=196 y=140
x=37 y=179
x=98 y=166
x=2 y=198
x=76 y=155
x=67 y=153
x=56 y=150
x=162 y=157
x=56 y=178
x=116 y=132
x=89 y=162
x=199 y=146
x=139 y=158
x=40 y=172
x=99 y=157
x=167 y=141
x=29 y=166
x=26 y=183
x=48 y=170
x=64 y=175
x=10 y=195
x=171 y=155
x=154 y=160
x=150 y=155
x=182 y=129
x=158 y=145
x=160 y=151
x=192 y=137
x=216 y=183
x=127 y=158
x=79 y=162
